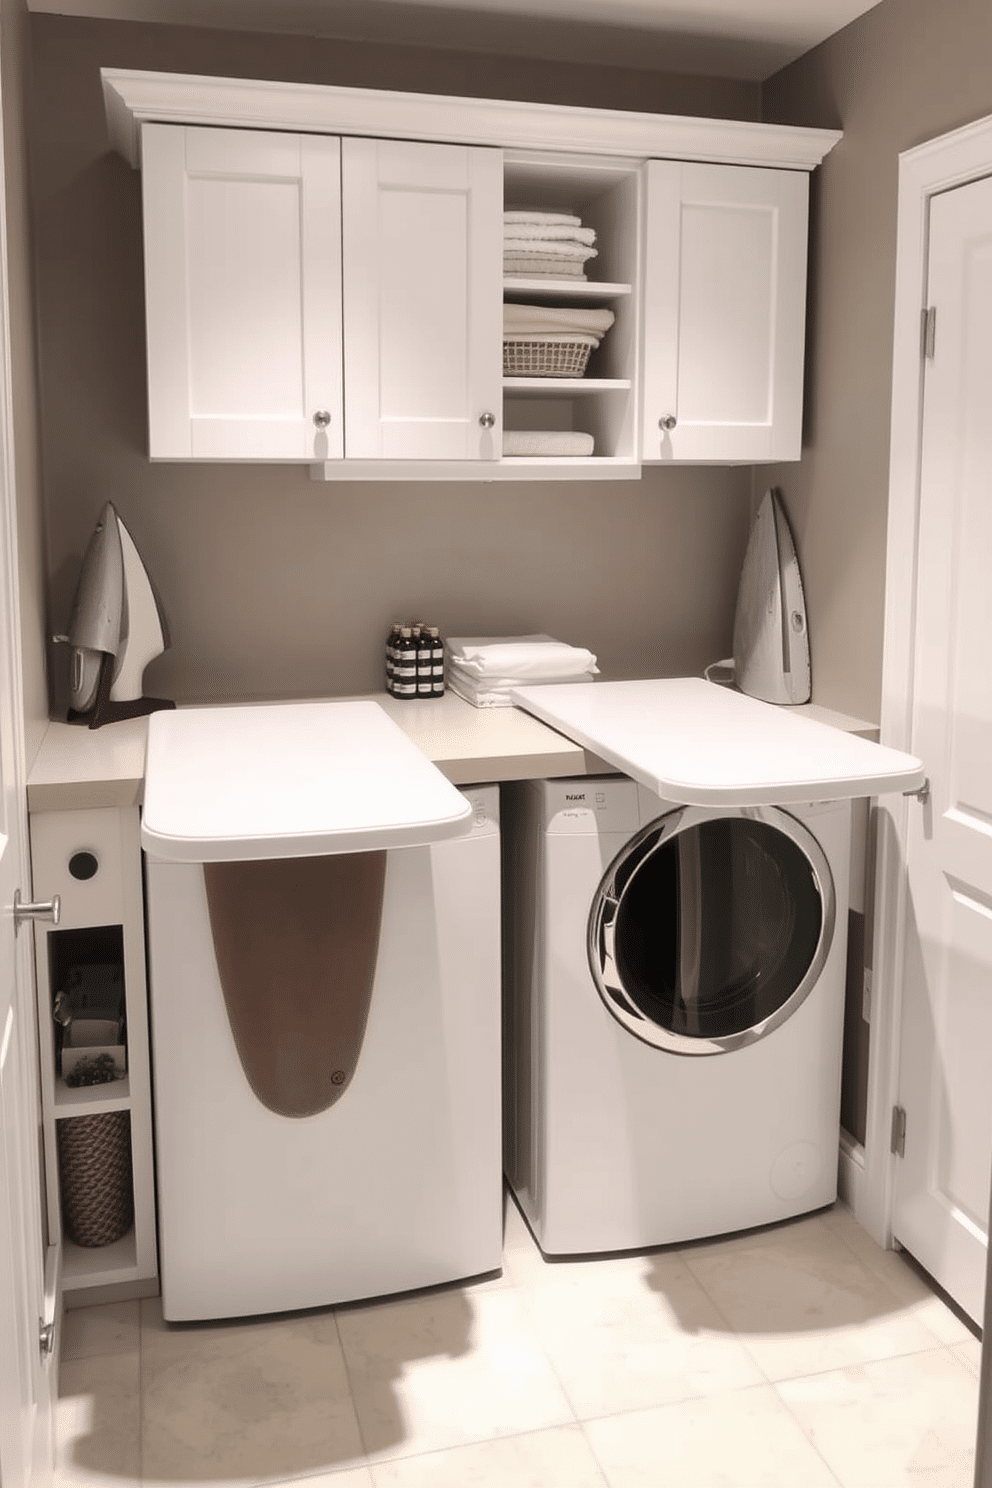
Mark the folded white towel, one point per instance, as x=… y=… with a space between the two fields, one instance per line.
x=478 y=697
x=519 y=320
x=580 y=251
x=516 y=658
x=552 y=219
x=583 y=338
x=542 y=266
x=547 y=442
x=547 y=232
x=490 y=694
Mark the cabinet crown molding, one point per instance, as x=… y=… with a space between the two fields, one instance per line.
x=134 y=98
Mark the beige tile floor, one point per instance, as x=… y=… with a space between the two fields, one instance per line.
x=800 y=1356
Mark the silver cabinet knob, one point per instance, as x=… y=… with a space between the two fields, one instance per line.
x=668 y=421
x=487 y=420
x=25 y=911
x=322 y=418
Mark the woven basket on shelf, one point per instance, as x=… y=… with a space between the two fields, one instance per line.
x=95 y=1177
x=566 y=357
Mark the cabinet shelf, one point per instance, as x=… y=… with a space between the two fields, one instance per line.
x=565 y=289
x=86 y=1266
x=571 y=385
x=579 y=467
x=89 y=1100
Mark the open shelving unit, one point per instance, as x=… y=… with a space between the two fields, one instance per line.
x=102 y=921
x=606 y=195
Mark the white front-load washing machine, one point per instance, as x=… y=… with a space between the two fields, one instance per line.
x=673 y=1012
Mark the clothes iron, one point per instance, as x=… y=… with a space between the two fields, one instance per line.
x=116 y=629
x=771 y=640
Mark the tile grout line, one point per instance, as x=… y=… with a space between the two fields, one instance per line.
x=351 y=1390
x=485 y=1441
x=805 y=1434
x=575 y=1422
x=883 y=1280
x=733 y=1332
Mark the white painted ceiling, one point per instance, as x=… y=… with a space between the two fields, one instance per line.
x=747 y=39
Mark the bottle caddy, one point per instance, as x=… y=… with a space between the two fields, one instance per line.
x=414 y=661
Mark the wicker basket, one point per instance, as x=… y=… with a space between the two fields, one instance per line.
x=95 y=1177
x=564 y=356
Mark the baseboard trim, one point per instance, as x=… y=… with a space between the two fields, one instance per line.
x=111 y=1291
x=851 y=1172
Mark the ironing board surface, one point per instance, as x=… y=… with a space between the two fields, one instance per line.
x=290 y=780
x=698 y=744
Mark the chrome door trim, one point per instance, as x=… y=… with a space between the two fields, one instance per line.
x=609 y=896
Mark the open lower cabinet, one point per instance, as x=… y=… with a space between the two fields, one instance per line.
x=93 y=1025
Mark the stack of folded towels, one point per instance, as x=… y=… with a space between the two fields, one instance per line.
x=553 y=244
x=482 y=669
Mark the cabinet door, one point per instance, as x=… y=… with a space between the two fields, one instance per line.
x=724 y=315
x=243 y=294
x=423 y=250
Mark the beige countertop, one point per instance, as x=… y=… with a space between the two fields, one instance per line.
x=79 y=768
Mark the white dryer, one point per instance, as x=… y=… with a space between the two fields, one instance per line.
x=673 y=1012
x=323 y=911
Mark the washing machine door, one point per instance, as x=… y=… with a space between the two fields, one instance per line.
x=711 y=927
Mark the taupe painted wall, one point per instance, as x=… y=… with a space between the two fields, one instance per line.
x=14 y=67
x=277 y=586
x=906 y=71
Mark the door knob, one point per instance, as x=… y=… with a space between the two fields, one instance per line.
x=668 y=421
x=487 y=420
x=322 y=418
x=52 y=910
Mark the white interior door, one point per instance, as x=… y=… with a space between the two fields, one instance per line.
x=942 y=1184
x=423 y=276
x=29 y=1271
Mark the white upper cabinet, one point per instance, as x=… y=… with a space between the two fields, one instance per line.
x=326 y=286
x=423 y=240
x=724 y=313
x=242 y=235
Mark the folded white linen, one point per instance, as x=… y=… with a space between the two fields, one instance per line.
x=479 y=697
x=561 y=250
x=490 y=694
x=538 y=319
x=515 y=658
x=542 y=266
x=565 y=338
x=554 y=219
x=548 y=232
x=545 y=442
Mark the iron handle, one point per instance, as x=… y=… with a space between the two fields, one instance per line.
x=322 y=418
x=52 y=910
x=667 y=421
x=487 y=420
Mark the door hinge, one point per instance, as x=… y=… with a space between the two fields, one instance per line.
x=898 y=1142
x=928 y=319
